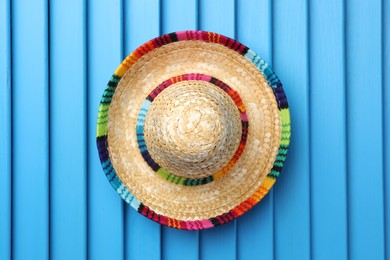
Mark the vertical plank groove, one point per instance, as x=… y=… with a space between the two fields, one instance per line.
x=30 y=127
x=12 y=140
x=310 y=125
x=5 y=130
x=87 y=126
x=309 y=113
x=123 y=55
x=235 y=34
x=123 y=45
x=345 y=83
x=49 y=179
x=386 y=120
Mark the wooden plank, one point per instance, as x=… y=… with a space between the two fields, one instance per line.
x=179 y=16
x=365 y=149
x=328 y=130
x=105 y=207
x=5 y=130
x=292 y=190
x=386 y=118
x=68 y=129
x=255 y=228
x=30 y=228
x=217 y=16
x=141 y=23
x=220 y=242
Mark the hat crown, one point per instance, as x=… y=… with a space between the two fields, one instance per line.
x=192 y=129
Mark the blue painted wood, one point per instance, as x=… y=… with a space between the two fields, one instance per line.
x=365 y=150
x=217 y=16
x=30 y=227
x=220 y=242
x=105 y=207
x=5 y=130
x=141 y=23
x=386 y=118
x=339 y=129
x=328 y=130
x=292 y=190
x=255 y=228
x=179 y=16
x=68 y=129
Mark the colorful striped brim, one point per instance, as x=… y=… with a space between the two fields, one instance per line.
x=193 y=129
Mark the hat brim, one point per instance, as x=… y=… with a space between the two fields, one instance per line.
x=138 y=193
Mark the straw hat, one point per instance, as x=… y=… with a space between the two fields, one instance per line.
x=193 y=129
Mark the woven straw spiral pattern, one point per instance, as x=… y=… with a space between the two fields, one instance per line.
x=193 y=129
x=204 y=150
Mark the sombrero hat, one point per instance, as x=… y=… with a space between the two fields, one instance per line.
x=193 y=129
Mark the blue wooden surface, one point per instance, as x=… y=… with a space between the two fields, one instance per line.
x=332 y=200
x=386 y=119
x=292 y=191
x=172 y=21
x=105 y=208
x=220 y=242
x=255 y=230
x=364 y=129
x=328 y=144
x=142 y=237
x=68 y=146
x=30 y=125
x=5 y=130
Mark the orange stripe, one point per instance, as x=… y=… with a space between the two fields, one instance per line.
x=241 y=107
x=238 y=211
x=178 y=224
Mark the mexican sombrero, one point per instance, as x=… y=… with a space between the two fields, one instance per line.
x=193 y=129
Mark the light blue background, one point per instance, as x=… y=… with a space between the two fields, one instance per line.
x=332 y=199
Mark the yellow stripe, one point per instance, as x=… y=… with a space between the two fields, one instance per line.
x=121 y=70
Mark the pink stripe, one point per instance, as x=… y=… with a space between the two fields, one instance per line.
x=244 y=116
x=185 y=35
x=189 y=225
x=196 y=76
x=206 y=223
x=167 y=83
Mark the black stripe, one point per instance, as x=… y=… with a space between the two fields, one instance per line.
x=140 y=208
x=244 y=51
x=213 y=80
x=173 y=37
x=215 y=221
x=276 y=168
x=112 y=83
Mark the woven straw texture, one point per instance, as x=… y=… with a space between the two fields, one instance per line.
x=193 y=129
